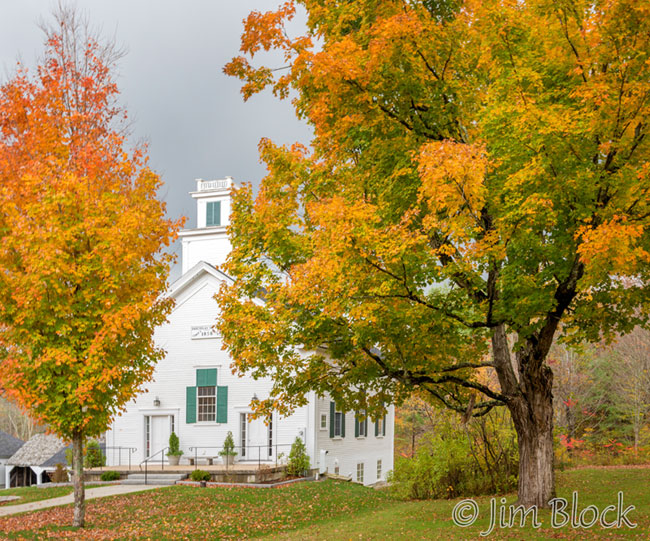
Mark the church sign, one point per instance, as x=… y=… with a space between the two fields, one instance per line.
x=200 y=332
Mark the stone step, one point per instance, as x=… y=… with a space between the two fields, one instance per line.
x=151 y=475
x=154 y=478
x=150 y=481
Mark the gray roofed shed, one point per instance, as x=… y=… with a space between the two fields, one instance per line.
x=38 y=451
x=9 y=445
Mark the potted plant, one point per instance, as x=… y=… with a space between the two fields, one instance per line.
x=174 y=453
x=228 y=453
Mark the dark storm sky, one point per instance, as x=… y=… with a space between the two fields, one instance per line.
x=171 y=81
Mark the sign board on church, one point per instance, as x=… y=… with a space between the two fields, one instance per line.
x=200 y=332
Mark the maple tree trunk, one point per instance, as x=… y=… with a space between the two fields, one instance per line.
x=532 y=414
x=536 y=478
x=530 y=401
x=78 y=480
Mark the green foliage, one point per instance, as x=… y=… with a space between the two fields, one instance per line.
x=60 y=474
x=200 y=475
x=228 y=446
x=470 y=177
x=298 y=459
x=94 y=457
x=174 y=445
x=110 y=476
x=602 y=403
x=459 y=460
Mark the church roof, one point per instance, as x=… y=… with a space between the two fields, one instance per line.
x=195 y=272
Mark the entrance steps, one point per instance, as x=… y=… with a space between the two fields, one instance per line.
x=154 y=478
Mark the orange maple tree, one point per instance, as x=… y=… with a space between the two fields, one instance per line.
x=81 y=267
x=479 y=179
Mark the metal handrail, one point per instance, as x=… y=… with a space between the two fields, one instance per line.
x=131 y=450
x=146 y=462
x=242 y=447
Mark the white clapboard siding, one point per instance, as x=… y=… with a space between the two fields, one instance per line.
x=194 y=292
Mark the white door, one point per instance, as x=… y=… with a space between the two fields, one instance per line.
x=258 y=440
x=159 y=436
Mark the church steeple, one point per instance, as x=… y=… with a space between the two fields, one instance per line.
x=209 y=241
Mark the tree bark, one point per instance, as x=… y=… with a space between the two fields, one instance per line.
x=78 y=480
x=530 y=401
x=533 y=422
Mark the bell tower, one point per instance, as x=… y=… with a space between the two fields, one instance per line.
x=209 y=241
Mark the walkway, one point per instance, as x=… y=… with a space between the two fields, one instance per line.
x=91 y=493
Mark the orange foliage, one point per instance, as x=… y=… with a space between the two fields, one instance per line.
x=81 y=268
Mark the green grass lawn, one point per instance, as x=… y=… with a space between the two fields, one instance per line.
x=34 y=494
x=326 y=510
x=432 y=519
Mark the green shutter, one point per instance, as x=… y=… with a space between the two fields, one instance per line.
x=376 y=428
x=332 y=418
x=190 y=405
x=383 y=427
x=343 y=425
x=206 y=377
x=222 y=404
x=213 y=215
x=356 y=425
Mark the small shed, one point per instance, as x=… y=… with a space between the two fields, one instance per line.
x=8 y=447
x=33 y=463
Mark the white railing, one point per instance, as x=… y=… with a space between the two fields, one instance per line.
x=205 y=185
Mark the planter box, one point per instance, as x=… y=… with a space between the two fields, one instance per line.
x=228 y=460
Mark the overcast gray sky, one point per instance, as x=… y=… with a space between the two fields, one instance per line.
x=192 y=115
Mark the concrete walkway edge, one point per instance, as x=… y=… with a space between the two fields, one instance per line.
x=91 y=494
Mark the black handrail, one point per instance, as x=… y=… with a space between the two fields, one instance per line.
x=131 y=450
x=146 y=462
x=242 y=447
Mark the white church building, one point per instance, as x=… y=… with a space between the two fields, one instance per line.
x=195 y=394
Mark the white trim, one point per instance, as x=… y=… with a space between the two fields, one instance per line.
x=203 y=231
x=195 y=273
x=200 y=366
x=39 y=474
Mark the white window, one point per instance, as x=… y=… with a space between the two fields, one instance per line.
x=379 y=469
x=147 y=429
x=213 y=214
x=207 y=404
x=381 y=426
x=323 y=421
x=362 y=424
x=242 y=432
x=360 y=472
